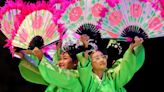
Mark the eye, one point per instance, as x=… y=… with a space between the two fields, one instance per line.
x=96 y=58
x=65 y=58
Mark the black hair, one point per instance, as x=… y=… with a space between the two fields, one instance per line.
x=114 y=53
x=37 y=41
x=72 y=50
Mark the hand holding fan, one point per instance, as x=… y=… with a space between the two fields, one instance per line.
x=38 y=24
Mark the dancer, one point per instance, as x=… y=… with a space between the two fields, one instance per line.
x=93 y=73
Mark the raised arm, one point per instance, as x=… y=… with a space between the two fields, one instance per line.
x=124 y=71
x=56 y=56
x=31 y=73
x=85 y=71
x=84 y=65
x=28 y=68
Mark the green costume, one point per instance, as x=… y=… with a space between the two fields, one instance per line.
x=114 y=78
x=58 y=80
x=31 y=73
x=62 y=80
x=140 y=56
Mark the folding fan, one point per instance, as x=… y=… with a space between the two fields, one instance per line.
x=7 y=22
x=37 y=23
x=70 y=38
x=131 y=18
x=7 y=17
x=83 y=12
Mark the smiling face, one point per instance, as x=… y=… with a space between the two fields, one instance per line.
x=66 y=62
x=99 y=60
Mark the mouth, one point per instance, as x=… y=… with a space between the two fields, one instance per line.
x=62 y=66
x=103 y=63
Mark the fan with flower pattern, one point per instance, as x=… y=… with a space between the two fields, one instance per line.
x=134 y=16
x=83 y=12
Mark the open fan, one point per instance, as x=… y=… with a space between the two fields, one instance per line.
x=7 y=17
x=131 y=18
x=83 y=12
x=38 y=23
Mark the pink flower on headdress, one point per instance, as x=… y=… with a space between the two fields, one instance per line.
x=37 y=22
x=154 y=23
x=75 y=13
x=135 y=10
x=115 y=18
x=97 y=9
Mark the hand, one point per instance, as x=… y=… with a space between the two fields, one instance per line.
x=85 y=40
x=58 y=45
x=37 y=52
x=137 y=41
x=20 y=52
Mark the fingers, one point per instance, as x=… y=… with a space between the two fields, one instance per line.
x=138 y=40
x=37 y=52
x=58 y=45
x=85 y=40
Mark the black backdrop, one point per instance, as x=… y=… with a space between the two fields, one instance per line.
x=148 y=79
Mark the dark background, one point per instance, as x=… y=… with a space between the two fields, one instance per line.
x=148 y=79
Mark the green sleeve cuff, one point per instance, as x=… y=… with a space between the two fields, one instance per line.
x=83 y=61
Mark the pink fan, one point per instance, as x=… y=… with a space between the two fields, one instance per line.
x=131 y=18
x=83 y=12
x=37 y=23
x=8 y=15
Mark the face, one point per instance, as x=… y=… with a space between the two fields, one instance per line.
x=65 y=61
x=99 y=60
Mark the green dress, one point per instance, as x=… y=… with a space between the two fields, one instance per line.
x=30 y=72
x=60 y=80
x=140 y=56
x=49 y=74
x=113 y=79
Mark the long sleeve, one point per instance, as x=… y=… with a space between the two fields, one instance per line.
x=124 y=71
x=85 y=71
x=31 y=73
x=66 y=79
x=140 y=56
x=56 y=56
